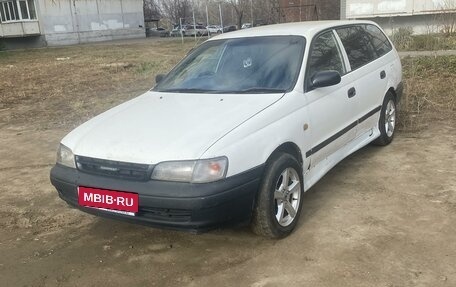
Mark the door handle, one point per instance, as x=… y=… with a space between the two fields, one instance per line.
x=351 y=92
x=382 y=74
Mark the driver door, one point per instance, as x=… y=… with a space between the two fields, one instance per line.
x=331 y=109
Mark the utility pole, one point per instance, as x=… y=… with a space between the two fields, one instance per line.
x=221 y=17
x=180 y=30
x=194 y=24
x=251 y=12
x=207 y=16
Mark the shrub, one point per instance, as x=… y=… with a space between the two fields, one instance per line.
x=402 y=38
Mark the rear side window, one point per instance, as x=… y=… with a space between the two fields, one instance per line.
x=378 y=40
x=325 y=55
x=357 y=45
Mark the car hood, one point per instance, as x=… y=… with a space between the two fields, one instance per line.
x=158 y=127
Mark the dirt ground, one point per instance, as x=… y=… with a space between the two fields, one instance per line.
x=382 y=217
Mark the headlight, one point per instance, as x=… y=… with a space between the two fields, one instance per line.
x=196 y=171
x=65 y=156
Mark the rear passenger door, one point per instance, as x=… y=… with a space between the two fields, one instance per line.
x=364 y=45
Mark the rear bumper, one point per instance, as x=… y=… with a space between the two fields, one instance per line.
x=193 y=207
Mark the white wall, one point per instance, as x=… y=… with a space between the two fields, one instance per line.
x=422 y=16
x=66 y=22
x=370 y=8
x=420 y=24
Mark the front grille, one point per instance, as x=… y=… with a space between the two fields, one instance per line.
x=167 y=214
x=117 y=169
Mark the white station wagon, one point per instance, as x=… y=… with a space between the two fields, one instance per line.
x=238 y=130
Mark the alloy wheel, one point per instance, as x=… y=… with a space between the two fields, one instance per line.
x=390 y=118
x=287 y=196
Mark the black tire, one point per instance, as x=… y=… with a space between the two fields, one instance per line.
x=386 y=137
x=264 y=221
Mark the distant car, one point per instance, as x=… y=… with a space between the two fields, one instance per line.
x=198 y=30
x=213 y=29
x=229 y=28
x=177 y=31
x=239 y=129
x=162 y=32
x=246 y=25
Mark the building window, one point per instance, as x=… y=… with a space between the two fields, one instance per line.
x=17 y=10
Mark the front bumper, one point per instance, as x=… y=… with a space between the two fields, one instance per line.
x=194 y=207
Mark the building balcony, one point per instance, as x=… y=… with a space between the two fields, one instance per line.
x=19 y=29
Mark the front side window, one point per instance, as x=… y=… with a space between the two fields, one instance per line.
x=325 y=55
x=357 y=45
x=240 y=65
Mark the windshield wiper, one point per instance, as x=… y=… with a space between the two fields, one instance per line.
x=246 y=91
x=261 y=91
x=187 y=90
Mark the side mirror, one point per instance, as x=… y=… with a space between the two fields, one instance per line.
x=159 y=78
x=325 y=79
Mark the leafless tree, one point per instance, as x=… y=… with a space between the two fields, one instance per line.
x=240 y=7
x=266 y=11
x=448 y=17
x=233 y=11
x=151 y=10
x=176 y=9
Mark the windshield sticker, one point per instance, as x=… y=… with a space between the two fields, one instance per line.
x=247 y=62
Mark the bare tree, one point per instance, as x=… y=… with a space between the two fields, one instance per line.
x=240 y=7
x=256 y=11
x=176 y=9
x=233 y=11
x=266 y=11
x=151 y=10
x=448 y=17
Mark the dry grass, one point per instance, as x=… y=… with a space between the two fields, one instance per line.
x=404 y=40
x=63 y=87
x=430 y=91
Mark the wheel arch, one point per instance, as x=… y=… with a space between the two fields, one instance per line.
x=290 y=148
x=392 y=91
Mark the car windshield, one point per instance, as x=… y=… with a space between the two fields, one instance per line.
x=240 y=65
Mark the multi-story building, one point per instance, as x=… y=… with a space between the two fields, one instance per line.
x=308 y=10
x=31 y=23
x=422 y=16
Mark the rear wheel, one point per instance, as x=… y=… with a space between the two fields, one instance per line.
x=279 y=200
x=387 y=121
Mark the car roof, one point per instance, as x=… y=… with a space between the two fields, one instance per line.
x=307 y=29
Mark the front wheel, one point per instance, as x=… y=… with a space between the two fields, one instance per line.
x=387 y=121
x=279 y=200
